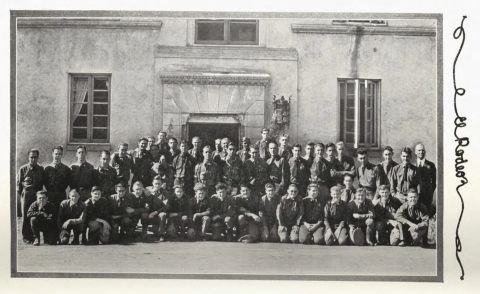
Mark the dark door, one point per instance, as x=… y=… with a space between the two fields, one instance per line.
x=209 y=132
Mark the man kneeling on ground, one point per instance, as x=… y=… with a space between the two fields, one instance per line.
x=336 y=219
x=120 y=210
x=200 y=213
x=41 y=215
x=223 y=211
x=247 y=215
x=312 y=229
x=289 y=215
x=71 y=216
x=97 y=218
x=267 y=210
x=385 y=218
x=414 y=218
x=360 y=219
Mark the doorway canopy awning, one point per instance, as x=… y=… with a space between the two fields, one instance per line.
x=213 y=119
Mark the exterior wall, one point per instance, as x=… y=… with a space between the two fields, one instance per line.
x=406 y=66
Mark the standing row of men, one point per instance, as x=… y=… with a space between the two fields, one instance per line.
x=265 y=162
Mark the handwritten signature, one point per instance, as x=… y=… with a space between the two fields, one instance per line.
x=461 y=142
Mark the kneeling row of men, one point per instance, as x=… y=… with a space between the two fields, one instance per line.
x=243 y=217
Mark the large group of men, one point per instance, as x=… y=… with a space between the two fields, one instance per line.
x=264 y=192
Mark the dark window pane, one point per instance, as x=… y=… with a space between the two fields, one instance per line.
x=362 y=120
x=243 y=31
x=350 y=101
x=210 y=31
x=80 y=121
x=100 y=96
x=350 y=113
x=100 y=84
x=369 y=115
x=350 y=126
x=100 y=121
x=350 y=138
x=100 y=134
x=80 y=109
x=79 y=133
x=351 y=88
x=100 y=109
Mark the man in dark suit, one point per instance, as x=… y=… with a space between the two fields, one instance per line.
x=428 y=176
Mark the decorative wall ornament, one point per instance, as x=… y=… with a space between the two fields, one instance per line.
x=281 y=115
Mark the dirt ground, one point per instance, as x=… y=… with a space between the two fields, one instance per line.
x=226 y=258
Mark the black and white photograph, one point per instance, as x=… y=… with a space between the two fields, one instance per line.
x=228 y=145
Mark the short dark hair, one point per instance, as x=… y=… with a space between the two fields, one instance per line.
x=120 y=185
x=384 y=187
x=220 y=186
x=245 y=186
x=122 y=144
x=156 y=178
x=331 y=144
x=33 y=151
x=81 y=147
x=105 y=152
x=412 y=190
x=271 y=142
x=207 y=147
x=162 y=132
x=174 y=139
x=42 y=192
x=362 y=151
x=298 y=146
x=320 y=145
x=183 y=142
x=388 y=148
x=348 y=175
x=310 y=143
x=142 y=139
x=57 y=148
x=407 y=150
x=265 y=130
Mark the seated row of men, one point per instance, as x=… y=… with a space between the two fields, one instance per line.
x=265 y=162
x=244 y=217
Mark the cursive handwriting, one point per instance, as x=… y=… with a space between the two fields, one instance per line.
x=461 y=142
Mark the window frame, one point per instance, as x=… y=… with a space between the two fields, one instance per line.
x=226 y=33
x=90 y=103
x=377 y=83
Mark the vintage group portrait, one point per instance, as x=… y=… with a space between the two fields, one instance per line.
x=236 y=145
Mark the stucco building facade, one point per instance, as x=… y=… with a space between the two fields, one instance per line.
x=101 y=81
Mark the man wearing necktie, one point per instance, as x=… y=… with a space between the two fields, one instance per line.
x=299 y=170
x=263 y=144
x=256 y=172
x=289 y=215
x=368 y=175
x=414 y=218
x=232 y=170
x=385 y=168
x=284 y=150
x=196 y=151
x=428 y=177
x=142 y=163
x=57 y=178
x=244 y=154
x=349 y=192
x=120 y=209
x=33 y=170
x=277 y=170
x=207 y=172
x=404 y=176
x=184 y=166
x=82 y=178
x=336 y=219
